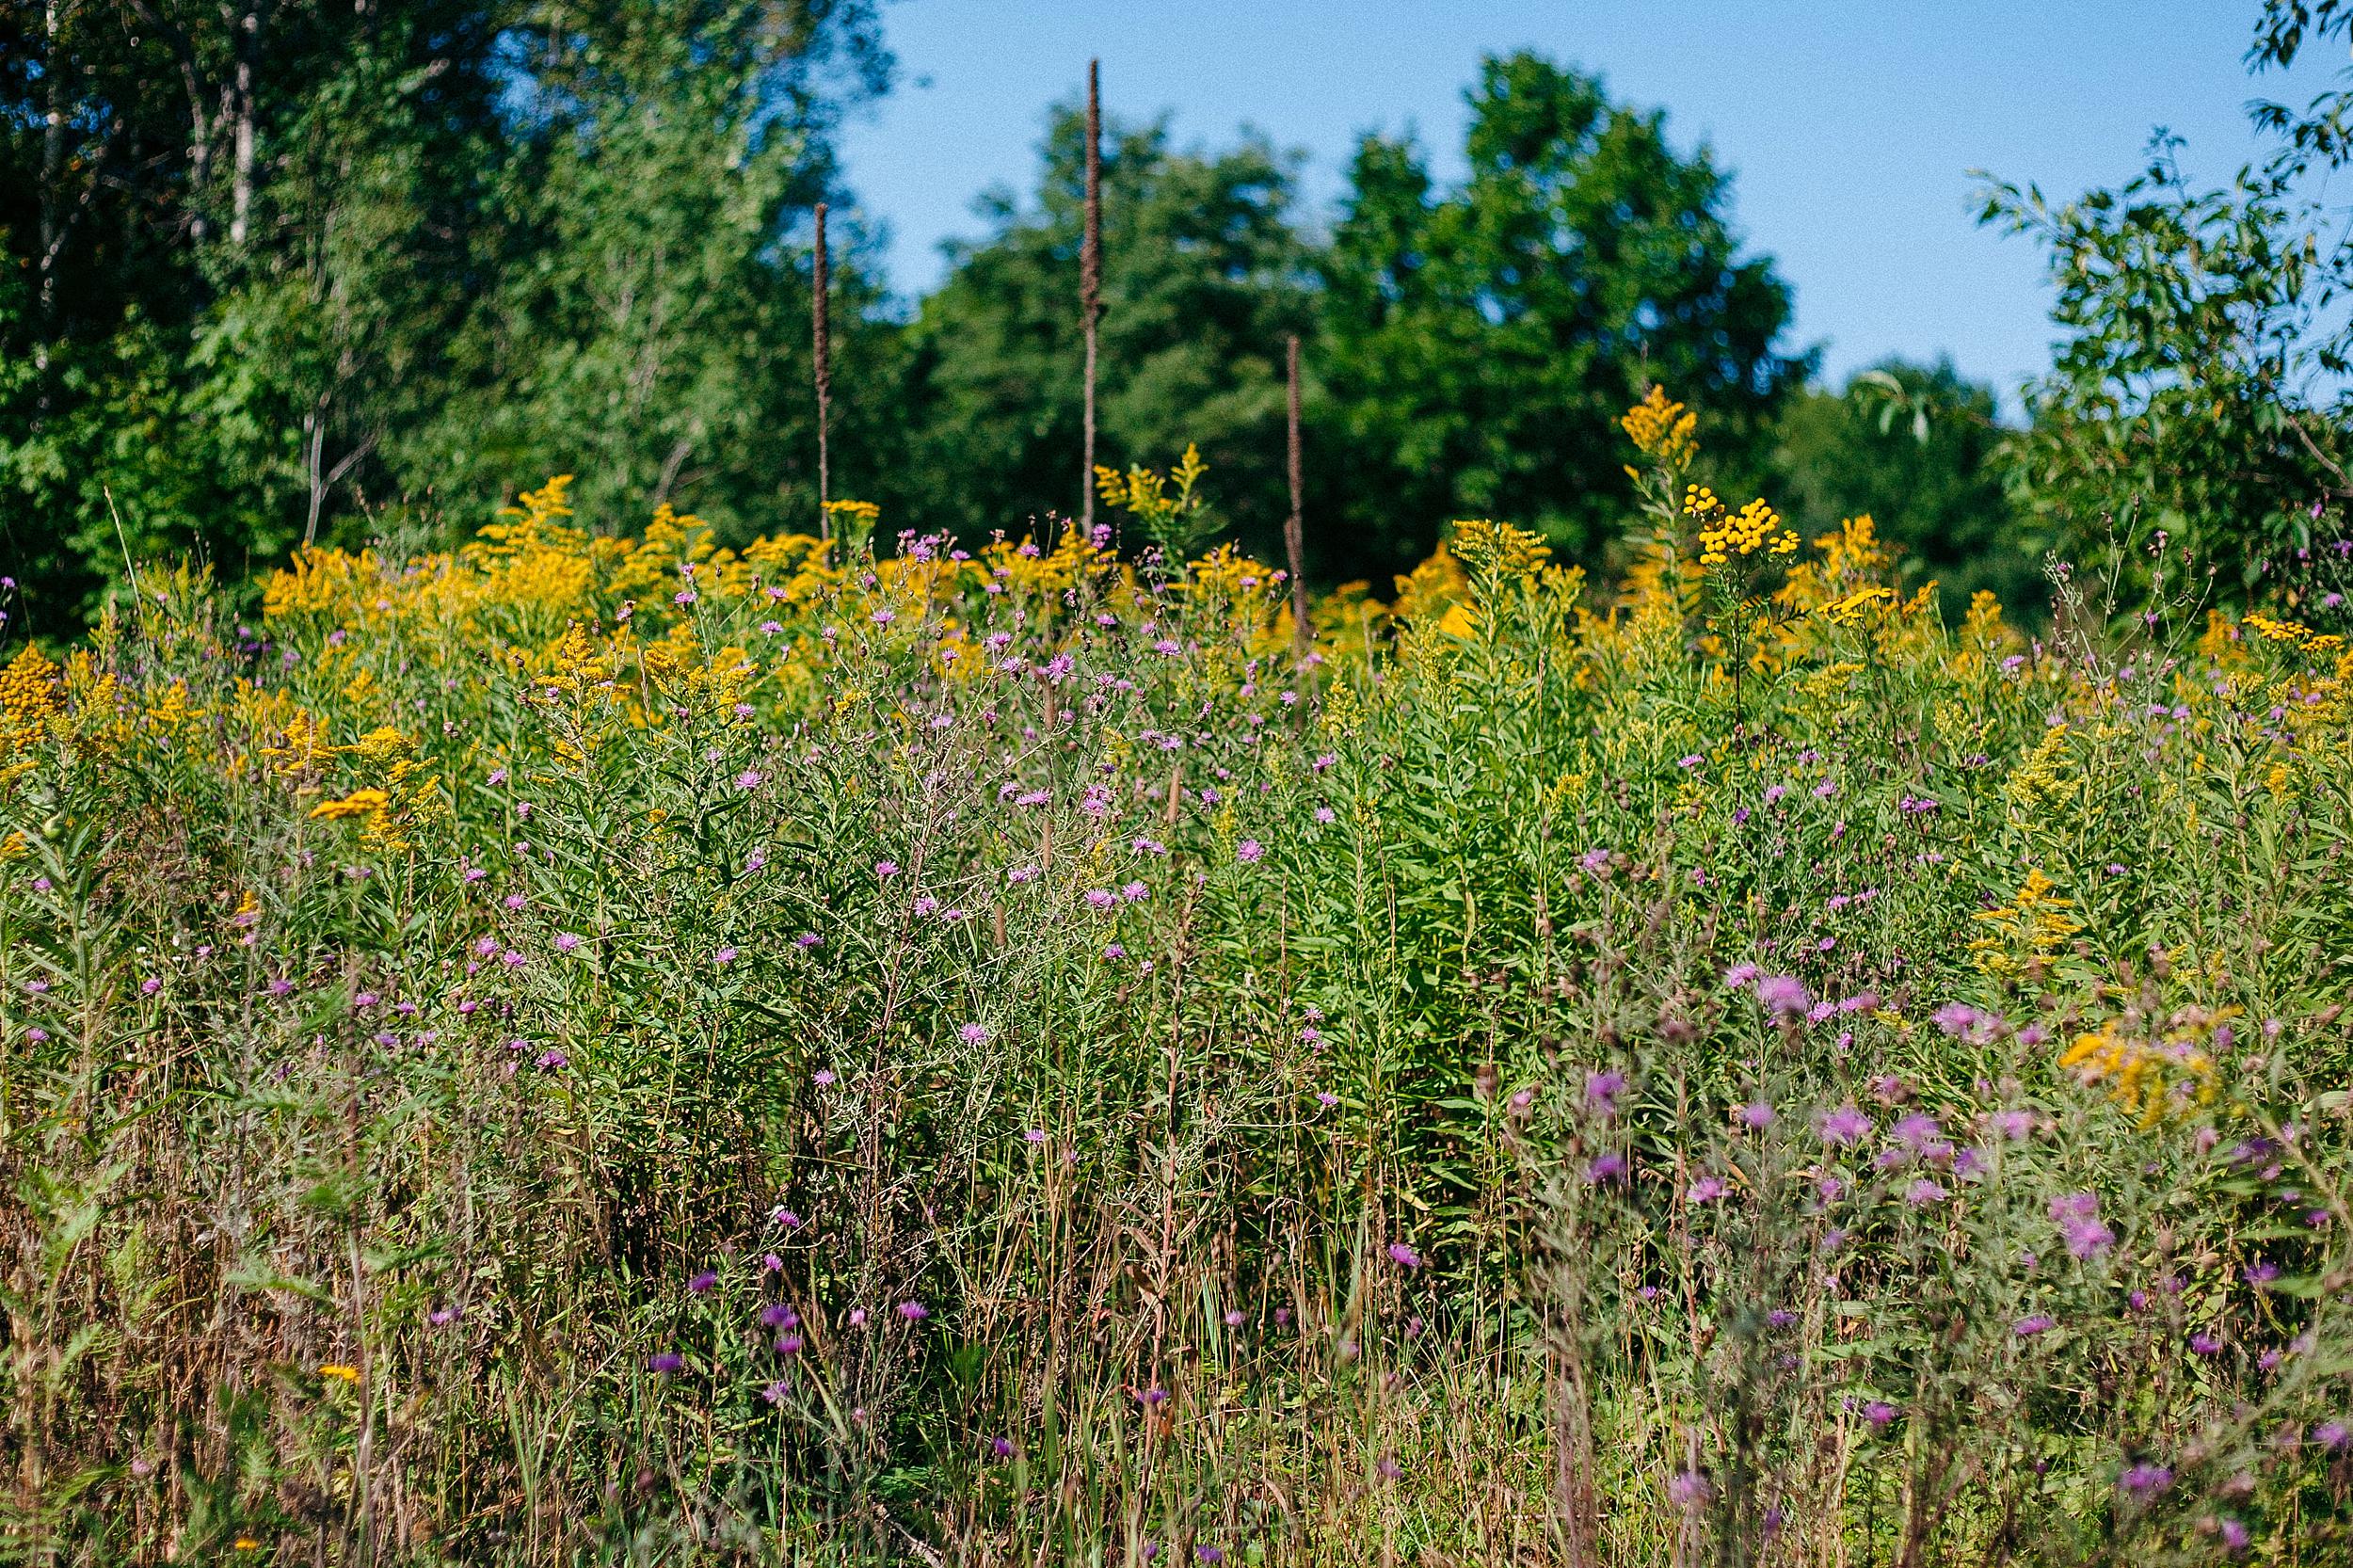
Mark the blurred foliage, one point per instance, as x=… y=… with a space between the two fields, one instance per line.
x=1915 y=448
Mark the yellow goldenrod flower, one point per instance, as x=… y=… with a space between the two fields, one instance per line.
x=1663 y=428
x=359 y=802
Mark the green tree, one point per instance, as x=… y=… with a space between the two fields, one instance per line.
x=1916 y=447
x=649 y=331
x=2200 y=389
x=1478 y=343
x=272 y=265
x=1203 y=277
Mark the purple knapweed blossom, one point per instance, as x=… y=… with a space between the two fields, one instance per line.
x=1918 y=1131
x=2030 y=1325
x=1403 y=1255
x=914 y=1312
x=973 y=1035
x=1757 y=1115
x=667 y=1363
x=1602 y=1090
x=1707 y=1189
x=1249 y=851
x=1956 y=1018
x=724 y=957
x=702 y=1283
x=885 y=868
x=1924 y=1192
x=2202 y=1343
x=1688 y=1489
x=1742 y=973
x=566 y=941
x=2077 y=1216
x=1606 y=1167
x=777 y=1314
x=1784 y=996
x=1881 y=1414
x=2144 y=1481
x=1844 y=1126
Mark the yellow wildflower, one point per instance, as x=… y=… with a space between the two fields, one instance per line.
x=1663 y=428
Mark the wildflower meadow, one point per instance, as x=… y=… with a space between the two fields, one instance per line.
x=593 y=1048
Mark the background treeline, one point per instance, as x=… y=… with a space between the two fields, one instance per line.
x=277 y=271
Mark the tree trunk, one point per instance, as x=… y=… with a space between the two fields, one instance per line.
x=820 y=339
x=247 y=44
x=1091 y=287
x=1294 y=526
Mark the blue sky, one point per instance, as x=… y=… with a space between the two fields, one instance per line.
x=1852 y=126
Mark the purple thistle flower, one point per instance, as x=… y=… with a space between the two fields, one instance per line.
x=1707 y=1189
x=2145 y=1480
x=1844 y=1126
x=1606 y=1167
x=2077 y=1216
x=667 y=1363
x=1784 y=996
x=702 y=1283
x=1881 y=1414
x=2034 y=1323
x=1403 y=1255
x=914 y=1312
x=2202 y=1343
x=1689 y=1490
x=1249 y=851
x=973 y=1035
x=1757 y=1115
x=1602 y=1090
x=1918 y=1131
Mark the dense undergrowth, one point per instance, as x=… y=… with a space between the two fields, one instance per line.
x=593 y=1050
